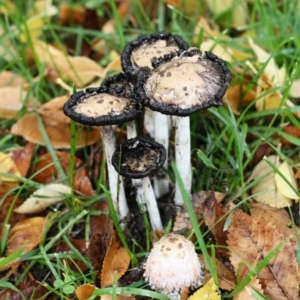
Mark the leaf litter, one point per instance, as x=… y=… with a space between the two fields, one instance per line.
x=243 y=241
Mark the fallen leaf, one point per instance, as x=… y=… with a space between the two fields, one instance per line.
x=59 y=136
x=78 y=69
x=101 y=230
x=265 y=190
x=237 y=9
x=116 y=260
x=7 y=166
x=245 y=294
x=295 y=89
x=8 y=78
x=84 y=291
x=12 y=99
x=282 y=186
x=209 y=291
x=22 y=158
x=250 y=240
x=277 y=75
x=45 y=196
x=26 y=234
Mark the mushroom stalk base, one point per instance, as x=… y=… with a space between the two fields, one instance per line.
x=151 y=204
x=182 y=155
x=116 y=191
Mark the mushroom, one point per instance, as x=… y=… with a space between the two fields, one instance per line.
x=139 y=53
x=180 y=86
x=138 y=158
x=173 y=265
x=96 y=107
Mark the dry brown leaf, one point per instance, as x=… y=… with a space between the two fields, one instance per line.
x=101 y=230
x=265 y=190
x=26 y=234
x=79 y=69
x=236 y=97
x=71 y=13
x=278 y=217
x=250 y=240
x=52 y=111
x=245 y=294
x=59 y=136
x=116 y=260
x=8 y=78
x=84 y=291
x=12 y=99
x=22 y=158
x=187 y=6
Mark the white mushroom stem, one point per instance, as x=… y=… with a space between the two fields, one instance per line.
x=152 y=207
x=117 y=191
x=144 y=190
x=182 y=155
x=137 y=183
x=161 y=135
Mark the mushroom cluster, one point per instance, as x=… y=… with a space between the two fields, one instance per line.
x=163 y=74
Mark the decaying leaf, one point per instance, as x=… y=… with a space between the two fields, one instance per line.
x=295 y=89
x=101 y=230
x=7 y=166
x=282 y=186
x=84 y=291
x=250 y=240
x=8 y=78
x=26 y=234
x=45 y=196
x=209 y=291
x=59 y=136
x=79 y=69
x=12 y=99
x=265 y=190
x=22 y=158
x=245 y=294
x=116 y=260
x=278 y=217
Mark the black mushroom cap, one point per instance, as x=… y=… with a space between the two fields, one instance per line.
x=183 y=84
x=139 y=52
x=138 y=157
x=110 y=104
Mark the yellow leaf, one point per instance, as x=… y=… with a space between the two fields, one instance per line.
x=276 y=75
x=265 y=190
x=207 y=292
x=47 y=195
x=7 y=166
x=281 y=184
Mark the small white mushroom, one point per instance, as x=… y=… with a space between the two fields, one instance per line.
x=173 y=265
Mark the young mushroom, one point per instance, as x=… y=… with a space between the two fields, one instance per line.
x=173 y=265
x=140 y=53
x=138 y=158
x=180 y=86
x=96 y=107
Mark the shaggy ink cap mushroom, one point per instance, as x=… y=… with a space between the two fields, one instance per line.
x=183 y=84
x=142 y=50
x=173 y=265
x=138 y=157
x=103 y=106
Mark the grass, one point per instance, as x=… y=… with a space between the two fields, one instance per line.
x=221 y=135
